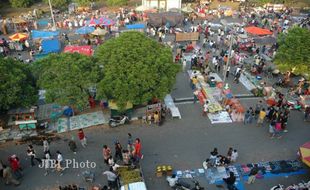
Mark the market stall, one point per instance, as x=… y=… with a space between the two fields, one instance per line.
x=49 y=46
x=85 y=50
x=116 y=111
x=213 y=95
x=23 y=118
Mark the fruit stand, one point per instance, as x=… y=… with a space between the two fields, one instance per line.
x=131 y=178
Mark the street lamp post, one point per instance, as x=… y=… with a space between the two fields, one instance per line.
x=52 y=14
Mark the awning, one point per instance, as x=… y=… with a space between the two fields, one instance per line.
x=36 y=34
x=135 y=26
x=257 y=31
x=50 y=46
x=85 y=50
x=18 y=37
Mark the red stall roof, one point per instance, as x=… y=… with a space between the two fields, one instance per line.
x=85 y=50
x=257 y=31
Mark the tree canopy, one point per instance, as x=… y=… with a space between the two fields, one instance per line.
x=294 y=51
x=135 y=69
x=17 y=86
x=66 y=78
x=21 y=3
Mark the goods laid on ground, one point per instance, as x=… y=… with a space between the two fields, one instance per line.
x=163 y=170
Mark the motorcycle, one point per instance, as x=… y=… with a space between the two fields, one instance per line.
x=294 y=105
x=178 y=184
x=118 y=120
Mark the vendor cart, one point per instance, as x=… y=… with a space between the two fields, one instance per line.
x=131 y=178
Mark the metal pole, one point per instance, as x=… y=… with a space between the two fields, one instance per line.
x=52 y=14
x=228 y=59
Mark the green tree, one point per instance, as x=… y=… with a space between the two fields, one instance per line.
x=21 y=3
x=66 y=78
x=294 y=51
x=117 y=2
x=135 y=69
x=59 y=4
x=17 y=86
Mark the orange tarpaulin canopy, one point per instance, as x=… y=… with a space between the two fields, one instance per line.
x=18 y=37
x=85 y=50
x=257 y=31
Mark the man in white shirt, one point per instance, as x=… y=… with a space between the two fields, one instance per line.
x=112 y=178
x=205 y=108
x=234 y=156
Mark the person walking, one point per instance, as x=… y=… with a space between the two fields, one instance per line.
x=82 y=137
x=230 y=181
x=247 y=117
x=15 y=165
x=46 y=146
x=32 y=154
x=252 y=174
x=137 y=152
x=106 y=153
x=261 y=117
x=118 y=151
x=47 y=162
x=59 y=162
x=8 y=176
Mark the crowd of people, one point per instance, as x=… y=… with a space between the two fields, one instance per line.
x=129 y=156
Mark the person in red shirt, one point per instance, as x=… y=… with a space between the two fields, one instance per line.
x=137 y=152
x=15 y=165
x=82 y=137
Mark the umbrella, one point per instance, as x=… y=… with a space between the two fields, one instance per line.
x=305 y=153
x=92 y=22
x=85 y=30
x=187 y=9
x=18 y=37
x=106 y=21
x=99 y=32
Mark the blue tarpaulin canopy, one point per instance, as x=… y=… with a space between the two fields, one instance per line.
x=36 y=34
x=85 y=30
x=135 y=26
x=50 y=46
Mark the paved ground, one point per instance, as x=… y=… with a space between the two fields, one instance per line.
x=182 y=143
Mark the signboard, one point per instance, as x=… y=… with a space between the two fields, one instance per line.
x=192 y=36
